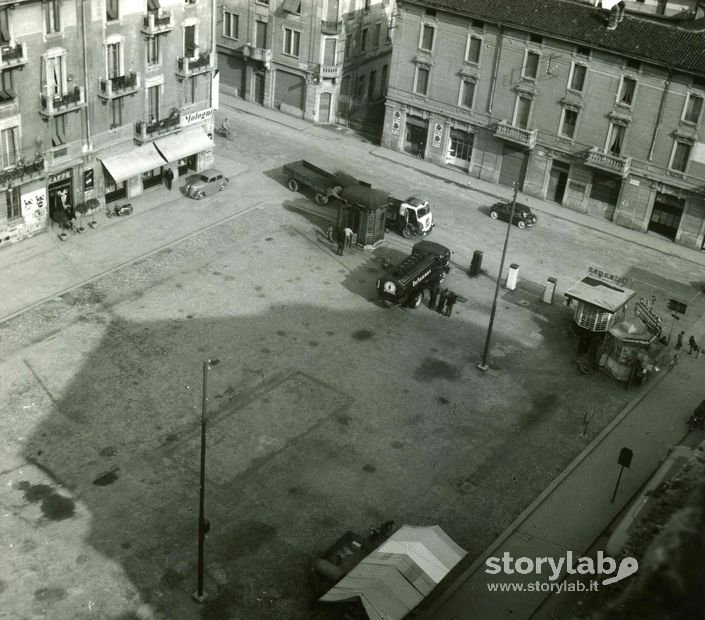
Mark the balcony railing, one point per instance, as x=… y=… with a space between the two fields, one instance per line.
x=525 y=137
x=187 y=67
x=12 y=55
x=157 y=23
x=328 y=72
x=51 y=105
x=262 y=54
x=119 y=86
x=23 y=170
x=331 y=27
x=608 y=162
x=146 y=130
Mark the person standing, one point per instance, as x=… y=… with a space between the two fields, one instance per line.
x=340 y=237
x=433 y=296
x=442 y=300
x=692 y=345
x=450 y=302
x=168 y=178
x=679 y=341
x=348 y=236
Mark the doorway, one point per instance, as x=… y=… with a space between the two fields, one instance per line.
x=415 y=136
x=259 y=88
x=557 y=181
x=666 y=215
x=513 y=168
x=324 y=108
x=460 y=148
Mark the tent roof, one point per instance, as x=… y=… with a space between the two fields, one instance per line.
x=396 y=577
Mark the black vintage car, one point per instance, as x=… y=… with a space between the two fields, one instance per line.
x=523 y=216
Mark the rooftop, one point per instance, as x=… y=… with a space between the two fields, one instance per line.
x=674 y=43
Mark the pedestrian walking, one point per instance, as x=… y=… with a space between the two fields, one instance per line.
x=348 y=236
x=442 y=300
x=433 y=296
x=450 y=302
x=679 y=341
x=168 y=178
x=329 y=233
x=692 y=345
x=340 y=237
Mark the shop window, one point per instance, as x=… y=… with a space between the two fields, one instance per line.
x=58 y=130
x=112 y=10
x=292 y=42
x=14 y=207
x=693 y=108
x=428 y=34
x=421 y=81
x=231 y=25
x=577 y=77
x=52 y=16
x=474 y=49
x=569 y=122
x=467 y=93
x=8 y=146
x=531 y=65
x=680 y=156
x=153 y=50
x=626 y=91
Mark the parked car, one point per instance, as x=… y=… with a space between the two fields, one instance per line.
x=205 y=183
x=523 y=216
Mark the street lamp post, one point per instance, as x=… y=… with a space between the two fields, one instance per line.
x=483 y=364
x=203 y=523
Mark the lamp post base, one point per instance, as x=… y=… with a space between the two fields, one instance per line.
x=199 y=598
x=483 y=367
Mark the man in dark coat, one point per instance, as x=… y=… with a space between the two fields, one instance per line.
x=450 y=302
x=442 y=300
x=340 y=238
x=168 y=178
x=433 y=296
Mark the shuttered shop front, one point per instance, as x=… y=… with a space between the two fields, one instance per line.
x=289 y=89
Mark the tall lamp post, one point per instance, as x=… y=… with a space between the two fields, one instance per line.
x=483 y=364
x=203 y=523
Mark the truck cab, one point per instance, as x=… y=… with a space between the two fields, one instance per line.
x=410 y=217
x=426 y=266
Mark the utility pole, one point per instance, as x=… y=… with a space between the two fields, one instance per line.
x=483 y=364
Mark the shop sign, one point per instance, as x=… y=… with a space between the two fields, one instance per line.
x=608 y=277
x=33 y=202
x=88 y=180
x=195 y=117
x=61 y=176
x=647 y=315
x=437 y=135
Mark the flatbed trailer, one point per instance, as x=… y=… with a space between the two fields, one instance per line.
x=303 y=173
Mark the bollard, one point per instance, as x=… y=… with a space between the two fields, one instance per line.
x=549 y=291
x=513 y=276
x=476 y=265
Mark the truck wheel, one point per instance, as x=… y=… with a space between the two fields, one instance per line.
x=293 y=185
x=321 y=199
x=416 y=300
x=407 y=232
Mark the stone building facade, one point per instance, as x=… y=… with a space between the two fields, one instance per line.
x=604 y=121
x=98 y=99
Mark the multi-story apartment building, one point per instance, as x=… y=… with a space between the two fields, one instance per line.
x=98 y=98
x=601 y=119
x=317 y=59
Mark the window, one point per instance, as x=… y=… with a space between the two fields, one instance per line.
x=371 y=85
x=522 y=112
x=632 y=64
x=467 y=93
x=263 y=2
x=421 y=81
x=569 y=122
x=190 y=42
x=693 y=108
x=363 y=39
x=112 y=10
x=476 y=23
x=376 y=36
x=473 y=51
x=8 y=146
x=427 y=35
x=113 y=60
x=12 y=198
x=360 y=87
x=52 y=21
x=190 y=86
x=116 y=113
x=292 y=6
x=383 y=81
x=680 y=156
x=261 y=35
x=535 y=38
x=4 y=27
x=292 y=42
x=615 y=143
x=153 y=51
x=626 y=91
x=58 y=131
x=153 y=103
x=54 y=76
x=583 y=51
x=231 y=25
x=348 y=46
x=7 y=91
x=430 y=12
x=531 y=65
x=577 y=77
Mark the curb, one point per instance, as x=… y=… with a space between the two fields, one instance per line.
x=268 y=118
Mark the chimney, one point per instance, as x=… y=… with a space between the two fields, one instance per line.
x=616 y=15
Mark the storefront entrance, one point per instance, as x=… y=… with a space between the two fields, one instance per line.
x=514 y=163
x=460 y=149
x=60 y=192
x=151 y=178
x=186 y=164
x=415 y=136
x=666 y=215
x=557 y=181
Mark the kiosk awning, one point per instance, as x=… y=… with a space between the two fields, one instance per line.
x=180 y=145
x=131 y=163
x=602 y=294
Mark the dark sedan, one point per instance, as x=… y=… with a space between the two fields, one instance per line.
x=523 y=216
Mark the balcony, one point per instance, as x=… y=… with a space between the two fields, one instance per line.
x=608 y=163
x=329 y=72
x=261 y=54
x=148 y=130
x=157 y=23
x=524 y=137
x=52 y=105
x=331 y=27
x=188 y=67
x=120 y=86
x=23 y=171
x=13 y=56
